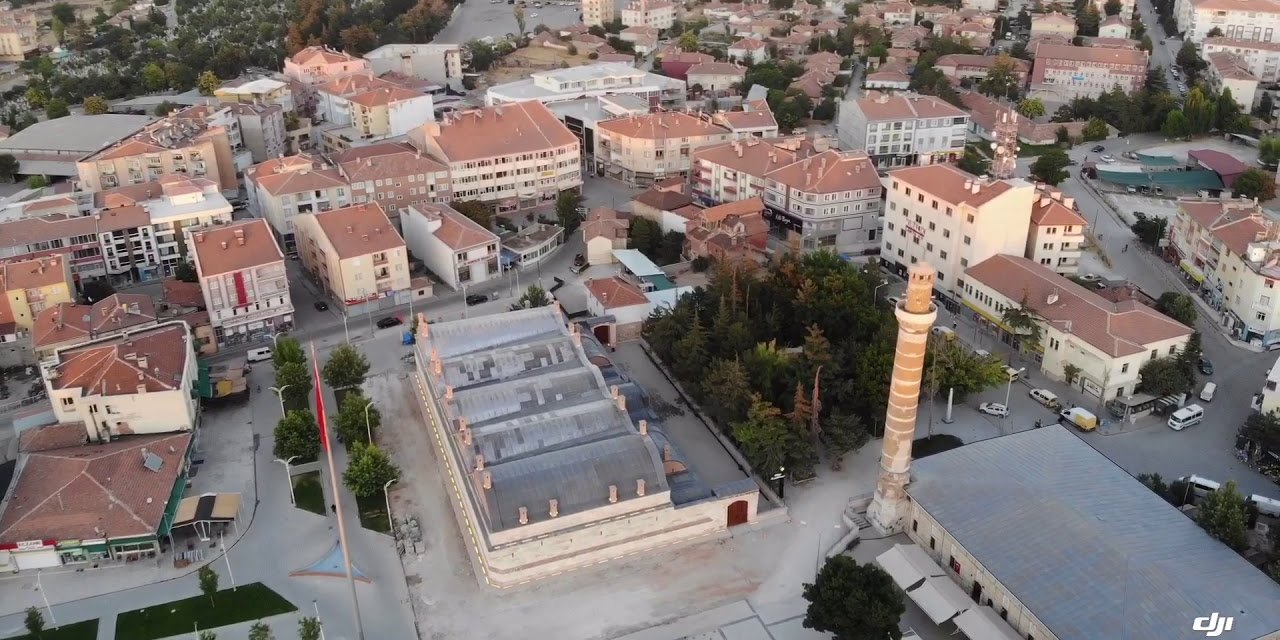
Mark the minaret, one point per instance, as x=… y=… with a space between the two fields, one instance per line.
x=915 y=314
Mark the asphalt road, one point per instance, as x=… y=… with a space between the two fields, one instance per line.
x=1163 y=51
x=475 y=19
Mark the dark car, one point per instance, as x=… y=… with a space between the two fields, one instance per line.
x=476 y=299
x=1097 y=148
x=321 y=305
x=1206 y=367
x=389 y=322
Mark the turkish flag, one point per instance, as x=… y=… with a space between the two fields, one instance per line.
x=320 y=419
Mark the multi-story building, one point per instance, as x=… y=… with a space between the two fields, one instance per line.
x=952 y=220
x=1062 y=73
x=1230 y=249
x=510 y=157
x=749 y=51
x=646 y=148
x=1262 y=59
x=715 y=77
x=439 y=64
x=754 y=120
x=242 y=276
x=903 y=130
x=1229 y=71
x=173 y=206
x=32 y=285
x=256 y=132
x=829 y=201
x=1114 y=27
x=68 y=324
x=587 y=81
x=964 y=66
x=597 y=13
x=317 y=65
x=1056 y=234
x=356 y=255
x=19 y=35
x=361 y=108
x=658 y=14
x=139 y=382
x=456 y=249
x=79 y=238
x=281 y=188
x=393 y=174
x=261 y=90
x=1257 y=20
x=1108 y=342
x=737 y=170
x=175 y=145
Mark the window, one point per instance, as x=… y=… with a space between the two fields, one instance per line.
x=968 y=240
x=942 y=254
x=915 y=525
x=932 y=226
x=933 y=544
x=68 y=402
x=964 y=262
x=970 y=218
x=946 y=233
x=1124 y=368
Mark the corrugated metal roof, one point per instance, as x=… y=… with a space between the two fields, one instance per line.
x=1090 y=550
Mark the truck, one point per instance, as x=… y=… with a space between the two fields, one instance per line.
x=223 y=382
x=1082 y=418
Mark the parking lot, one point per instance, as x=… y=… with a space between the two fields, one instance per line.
x=1153 y=207
x=475 y=19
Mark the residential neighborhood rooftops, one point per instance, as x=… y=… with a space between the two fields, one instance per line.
x=31 y=231
x=1095 y=55
x=68 y=322
x=1050 y=211
x=614 y=292
x=829 y=172
x=661 y=125
x=32 y=273
x=456 y=230
x=233 y=247
x=502 y=130
x=877 y=106
x=1236 y=224
x=953 y=185
x=359 y=230
x=663 y=200
x=1229 y=66
x=154 y=358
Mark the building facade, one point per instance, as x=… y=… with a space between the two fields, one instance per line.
x=456 y=249
x=588 y=81
x=830 y=201
x=1056 y=236
x=243 y=279
x=281 y=188
x=1229 y=71
x=1262 y=59
x=597 y=13
x=439 y=64
x=394 y=175
x=176 y=145
x=1258 y=21
x=658 y=14
x=32 y=285
x=647 y=148
x=19 y=35
x=356 y=255
x=736 y=170
x=1062 y=73
x=903 y=130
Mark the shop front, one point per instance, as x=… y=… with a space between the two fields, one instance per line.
x=32 y=554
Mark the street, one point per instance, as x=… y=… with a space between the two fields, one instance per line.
x=475 y=19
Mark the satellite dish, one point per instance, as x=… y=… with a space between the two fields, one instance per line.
x=995 y=146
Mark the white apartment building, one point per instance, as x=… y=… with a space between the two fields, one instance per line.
x=455 y=248
x=736 y=170
x=174 y=205
x=1262 y=59
x=646 y=148
x=439 y=64
x=138 y=382
x=952 y=220
x=1056 y=23
x=1257 y=20
x=748 y=51
x=904 y=129
x=257 y=91
x=1056 y=234
x=243 y=279
x=1270 y=396
x=588 y=81
x=658 y=14
x=281 y=188
x=597 y=13
x=361 y=108
x=510 y=156
x=1230 y=250
x=357 y=257
x=1229 y=71
x=1108 y=341
x=829 y=201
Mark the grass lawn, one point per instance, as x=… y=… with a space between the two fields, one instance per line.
x=308 y=492
x=249 y=602
x=373 y=513
x=87 y=630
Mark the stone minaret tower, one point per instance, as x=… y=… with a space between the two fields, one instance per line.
x=1005 y=145
x=916 y=314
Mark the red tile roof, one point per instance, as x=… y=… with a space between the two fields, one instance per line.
x=68 y=322
x=359 y=230
x=456 y=230
x=614 y=292
x=947 y=183
x=235 y=247
x=114 y=366
x=828 y=172
x=503 y=130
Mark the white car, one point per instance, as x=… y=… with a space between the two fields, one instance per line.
x=1108 y=158
x=993 y=409
x=1090 y=277
x=894 y=300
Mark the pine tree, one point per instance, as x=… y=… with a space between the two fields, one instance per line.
x=693 y=352
x=1222 y=515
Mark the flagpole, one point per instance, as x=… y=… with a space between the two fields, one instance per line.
x=337 y=494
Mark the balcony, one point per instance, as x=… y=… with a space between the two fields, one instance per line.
x=381 y=274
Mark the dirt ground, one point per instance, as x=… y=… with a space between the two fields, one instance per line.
x=520 y=62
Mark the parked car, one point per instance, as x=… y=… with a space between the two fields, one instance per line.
x=1045 y=397
x=894 y=300
x=1082 y=418
x=993 y=409
x=1097 y=148
x=1206 y=367
x=321 y=305
x=1090 y=277
x=476 y=299
x=1131 y=189
x=1108 y=158
x=389 y=322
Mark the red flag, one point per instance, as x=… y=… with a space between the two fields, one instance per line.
x=320 y=420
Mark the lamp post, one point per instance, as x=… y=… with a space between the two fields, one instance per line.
x=47 y=607
x=875 y=297
x=368 y=430
x=1007 y=391
x=386 y=495
x=279 y=391
x=316 y=606
x=288 y=476
x=780 y=476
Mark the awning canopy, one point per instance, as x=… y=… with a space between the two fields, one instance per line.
x=982 y=623
x=908 y=565
x=1192 y=270
x=210 y=507
x=940 y=598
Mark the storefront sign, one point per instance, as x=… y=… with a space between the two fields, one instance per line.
x=30 y=545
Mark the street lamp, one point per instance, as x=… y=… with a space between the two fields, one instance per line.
x=780 y=476
x=368 y=430
x=288 y=476
x=875 y=292
x=279 y=391
x=1007 y=391
x=387 y=496
x=345 y=334
x=316 y=606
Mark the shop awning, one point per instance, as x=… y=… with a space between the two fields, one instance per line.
x=210 y=507
x=1192 y=270
x=908 y=565
x=940 y=598
x=982 y=623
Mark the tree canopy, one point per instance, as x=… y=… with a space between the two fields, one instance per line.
x=346 y=367
x=1222 y=515
x=1255 y=183
x=1051 y=167
x=368 y=469
x=854 y=601
x=1178 y=306
x=297 y=434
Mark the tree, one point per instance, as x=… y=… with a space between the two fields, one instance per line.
x=1269 y=150
x=260 y=631
x=973 y=162
x=853 y=601
x=1176 y=125
x=34 y=622
x=358 y=39
x=208 y=583
x=207 y=83
x=1178 y=306
x=368 y=470
x=350 y=421
x=56 y=108
x=1215 y=32
x=567 y=210
x=483 y=55
x=1150 y=231
x=297 y=435
x=185 y=271
x=297 y=378
x=8 y=167
x=1095 y=129
x=37 y=182
x=165 y=108
x=1263 y=429
x=1002 y=79
x=726 y=391
x=1222 y=515
x=154 y=78
x=64 y=12
x=1021 y=320
x=1070 y=372
x=96 y=105
x=1087 y=20
x=1051 y=167
x=948 y=365
x=1255 y=183
x=826 y=110
x=476 y=211
x=1112 y=7
x=766 y=440
x=534 y=296
x=59 y=29
x=308 y=628
x=688 y=41
x=1164 y=376
x=1200 y=110
x=346 y=367
x=1031 y=107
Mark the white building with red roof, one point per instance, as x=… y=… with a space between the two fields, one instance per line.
x=282 y=188
x=1062 y=73
x=903 y=129
x=748 y=50
x=455 y=248
x=644 y=148
x=318 y=64
x=737 y=170
x=242 y=274
x=67 y=324
x=1055 y=237
x=359 y=108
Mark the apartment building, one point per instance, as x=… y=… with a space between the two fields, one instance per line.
x=394 y=175
x=1262 y=59
x=317 y=65
x=1116 y=27
x=242 y=277
x=282 y=188
x=456 y=249
x=510 y=157
x=715 y=77
x=1229 y=250
x=142 y=381
x=748 y=51
x=1055 y=23
x=173 y=206
x=658 y=14
x=439 y=64
x=78 y=238
x=68 y=324
x=1063 y=73
x=19 y=35
x=736 y=170
x=262 y=90
x=828 y=201
x=1056 y=235
x=356 y=255
x=30 y=286
x=1256 y=20
x=903 y=129
x=646 y=148
x=362 y=107
x=1229 y=71
x=1107 y=341
x=588 y=81
x=256 y=132
x=754 y=120
x=174 y=145
x=952 y=220
x=597 y=13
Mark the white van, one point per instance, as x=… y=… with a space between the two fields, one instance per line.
x=1186 y=416
x=1199 y=486
x=259 y=354
x=1044 y=397
x=1210 y=388
x=945 y=333
x=1266 y=506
